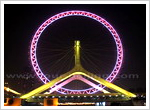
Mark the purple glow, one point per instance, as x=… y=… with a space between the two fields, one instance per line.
x=75 y=77
x=36 y=37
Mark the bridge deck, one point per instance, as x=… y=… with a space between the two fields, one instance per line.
x=81 y=97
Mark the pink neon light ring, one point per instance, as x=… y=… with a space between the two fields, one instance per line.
x=115 y=35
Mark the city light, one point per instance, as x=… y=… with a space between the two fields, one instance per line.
x=12 y=91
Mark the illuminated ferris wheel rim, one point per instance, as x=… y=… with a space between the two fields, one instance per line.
x=102 y=21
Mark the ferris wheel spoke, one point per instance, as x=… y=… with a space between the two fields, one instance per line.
x=97 y=63
x=51 y=56
x=93 y=70
x=100 y=61
x=59 y=60
x=99 y=54
x=95 y=66
x=62 y=66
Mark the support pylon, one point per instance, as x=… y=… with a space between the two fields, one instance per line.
x=78 y=67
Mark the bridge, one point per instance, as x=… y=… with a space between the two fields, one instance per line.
x=103 y=97
x=77 y=73
x=77 y=70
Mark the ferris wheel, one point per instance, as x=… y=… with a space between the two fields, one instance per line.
x=48 y=22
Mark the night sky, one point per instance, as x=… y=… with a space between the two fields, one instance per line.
x=98 y=51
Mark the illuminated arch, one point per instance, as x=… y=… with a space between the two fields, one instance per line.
x=68 y=75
